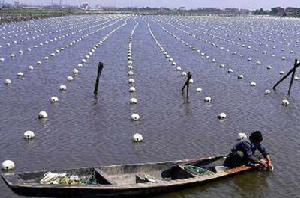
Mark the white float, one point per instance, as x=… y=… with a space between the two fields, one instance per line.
x=138 y=137
x=29 y=135
x=7 y=81
x=62 y=87
x=75 y=71
x=54 y=99
x=70 y=78
x=20 y=74
x=207 y=99
x=222 y=116
x=178 y=68
x=241 y=136
x=8 y=165
x=130 y=80
x=133 y=101
x=132 y=89
x=130 y=73
x=30 y=67
x=252 y=84
x=267 y=92
x=285 y=102
x=240 y=76
x=135 y=117
x=42 y=114
x=199 y=89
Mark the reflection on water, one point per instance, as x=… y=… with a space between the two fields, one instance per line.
x=245 y=185
x=252 y=184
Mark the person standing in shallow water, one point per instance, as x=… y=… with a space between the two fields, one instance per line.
x=243 y=153
x=187 y=82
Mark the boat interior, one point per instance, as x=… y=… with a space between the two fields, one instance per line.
x=119 y=175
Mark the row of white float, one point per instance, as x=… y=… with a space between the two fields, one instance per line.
x=15 y=29
x=252 y=83
x=57 y=51
x=258 y=62
x=249 y=47
x=50 y=41
x=137 y=137
x=284 y=102
x=10 y=165
x=203 y=54
x=206 y=30
x=235 y=53
x=69 y=28
x=207 y=99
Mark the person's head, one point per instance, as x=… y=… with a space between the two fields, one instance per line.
x=256 y=137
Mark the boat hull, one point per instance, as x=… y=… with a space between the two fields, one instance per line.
x=124 y=190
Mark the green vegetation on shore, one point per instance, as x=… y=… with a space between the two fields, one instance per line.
x=8 y=15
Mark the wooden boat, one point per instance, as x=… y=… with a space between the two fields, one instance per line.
x=122 y=180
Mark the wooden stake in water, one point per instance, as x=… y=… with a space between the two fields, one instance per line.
x=293 y=71
x=100 y=67
x=186 y=84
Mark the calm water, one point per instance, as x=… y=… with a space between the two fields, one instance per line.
x=84 y=131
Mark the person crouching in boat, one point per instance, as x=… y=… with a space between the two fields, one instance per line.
x=243 y=153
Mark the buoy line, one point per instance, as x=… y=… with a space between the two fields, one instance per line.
x=30 y=68
x=43 y=115
x=137 y=137
x=56 y=38
x=228 y=40
x=199 y=38
x=213 y=60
